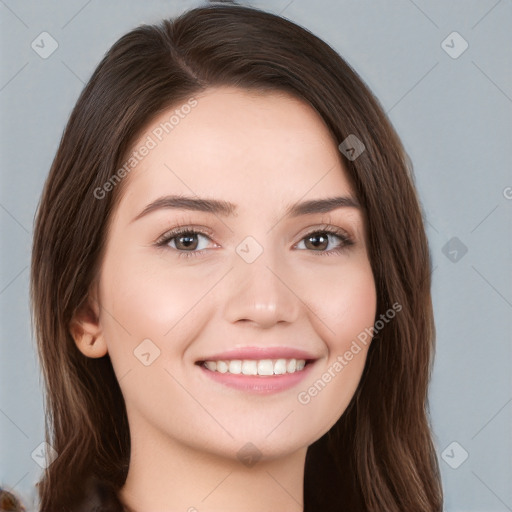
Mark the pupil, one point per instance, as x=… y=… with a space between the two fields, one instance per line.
x=322 y=239
x=189 y=240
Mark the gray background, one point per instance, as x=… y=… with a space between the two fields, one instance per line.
x=454 y=117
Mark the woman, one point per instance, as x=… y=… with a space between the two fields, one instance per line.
x=231 y=282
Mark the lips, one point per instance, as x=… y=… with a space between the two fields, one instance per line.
x=258 y=369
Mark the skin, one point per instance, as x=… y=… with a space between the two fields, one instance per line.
x=263 y=152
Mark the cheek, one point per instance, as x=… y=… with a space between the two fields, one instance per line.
x=353 y=313
x=142 y=301
x=345 y=303
x=346 y=307
x=356 y=310
x=150 y=296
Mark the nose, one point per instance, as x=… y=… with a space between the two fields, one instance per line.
x=261 y=293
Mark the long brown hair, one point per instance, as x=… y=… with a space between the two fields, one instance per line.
x=380 y=454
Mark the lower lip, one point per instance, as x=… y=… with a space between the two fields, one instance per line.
x=264 y=384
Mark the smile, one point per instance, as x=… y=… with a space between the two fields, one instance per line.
x=261 y=367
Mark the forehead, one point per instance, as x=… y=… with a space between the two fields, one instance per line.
x=258 y=150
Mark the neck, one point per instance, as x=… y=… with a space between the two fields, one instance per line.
x=167 y=476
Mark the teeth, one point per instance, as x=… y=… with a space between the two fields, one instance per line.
x=253 y=367
x=265 y=367
x=250 y=367
x=222 y=366
x=211 y=365
x=280 y=367
x=235 y=367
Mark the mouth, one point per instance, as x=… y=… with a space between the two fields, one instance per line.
x=256 y=367
x=258 y=370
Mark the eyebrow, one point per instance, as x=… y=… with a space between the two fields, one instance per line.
x=226 y=209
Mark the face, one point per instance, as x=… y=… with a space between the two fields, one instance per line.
x=249 y=284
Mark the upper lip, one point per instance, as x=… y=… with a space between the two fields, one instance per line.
x=260 y=353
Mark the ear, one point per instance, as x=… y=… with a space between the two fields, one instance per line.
x=86 y=329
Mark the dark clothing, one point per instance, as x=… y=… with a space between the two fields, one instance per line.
x=99 y=497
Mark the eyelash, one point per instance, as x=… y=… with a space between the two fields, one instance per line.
x=162 y=242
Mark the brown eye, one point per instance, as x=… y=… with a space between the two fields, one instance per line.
x=318 y=241
x=186 y=241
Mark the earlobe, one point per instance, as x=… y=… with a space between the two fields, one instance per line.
x=86 y=330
